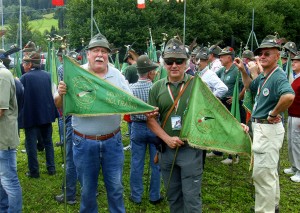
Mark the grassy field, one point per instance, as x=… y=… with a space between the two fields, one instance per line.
x=43 y=24
x=218 y=180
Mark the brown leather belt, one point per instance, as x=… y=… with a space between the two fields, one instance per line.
x=98 y=137
x=260 y=121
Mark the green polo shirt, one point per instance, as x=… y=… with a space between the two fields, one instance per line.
x=229 y=79
x=276 y=86
x=159 y=96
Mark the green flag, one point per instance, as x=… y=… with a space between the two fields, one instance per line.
x=161 y=72
x=48 y=60
x=124 y=66
x=53 y=70
x=279 y=62
x=88 y=95
x=152 y=51
x=248 y=101
x=207 y=124
x=17 y=68
x=117 y=61
x=235 y=105
x=289 y=70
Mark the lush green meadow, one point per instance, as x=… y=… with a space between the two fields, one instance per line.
x=43 y=24
x=219 y=181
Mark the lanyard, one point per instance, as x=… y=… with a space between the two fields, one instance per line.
x=265 y=81
x=172 y=96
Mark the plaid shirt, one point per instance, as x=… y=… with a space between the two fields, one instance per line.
x=140 y=90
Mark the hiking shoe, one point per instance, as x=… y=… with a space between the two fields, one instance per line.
x=211 y=154
x=127 y=148
x=135 y=202
x=155 y=202
x=230 y=161
x=59 y=144
x=296 y=177
x=227 y=161
x=289 y=171
x=61 y=199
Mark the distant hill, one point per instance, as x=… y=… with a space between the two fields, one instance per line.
x=43 y=24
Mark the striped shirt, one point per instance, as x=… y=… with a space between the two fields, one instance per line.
x=140 y=90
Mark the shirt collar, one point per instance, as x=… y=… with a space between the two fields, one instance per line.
x=185 y=78
x=297 y=76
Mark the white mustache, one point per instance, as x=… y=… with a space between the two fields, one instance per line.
x=99 y=59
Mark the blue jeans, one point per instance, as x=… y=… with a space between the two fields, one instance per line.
x=71 y=174
x=31 y=135
x=10 y=188
x=140 y=137
x=61 y=129
x=89 y=157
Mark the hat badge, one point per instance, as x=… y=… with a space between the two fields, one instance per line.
x=174 y=47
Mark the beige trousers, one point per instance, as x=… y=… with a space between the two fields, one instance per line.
x=267 y=141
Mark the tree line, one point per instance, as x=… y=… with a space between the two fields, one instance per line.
x=210 y=21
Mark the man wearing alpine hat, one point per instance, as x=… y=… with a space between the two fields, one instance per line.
x=273 y=96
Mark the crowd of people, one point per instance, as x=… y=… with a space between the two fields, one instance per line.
x=94 y=143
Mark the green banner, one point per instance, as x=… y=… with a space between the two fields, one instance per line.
x=89 y=95
x=208 y=125
x=235 y=105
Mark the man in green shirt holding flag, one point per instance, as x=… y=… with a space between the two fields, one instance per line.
x=183 y=181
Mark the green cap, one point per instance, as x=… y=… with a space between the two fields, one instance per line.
x=195 y=51
x=290 y=46
x=283 y=54
x=174 y=49
x=34 y=58
x=214 y=49
x=29 y=47
x=203 y=54
x=99 y=40
x=227 y=51
x=297 y=56
x=144 y=64
x=248 y=54
x=269 y=41
x=4 y=59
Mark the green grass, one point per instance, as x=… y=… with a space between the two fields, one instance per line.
x=44 y=24
x=38 y=194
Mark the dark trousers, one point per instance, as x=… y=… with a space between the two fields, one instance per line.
x=31 y=137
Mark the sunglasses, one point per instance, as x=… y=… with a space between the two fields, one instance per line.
x=267 y=54
x=177 y=61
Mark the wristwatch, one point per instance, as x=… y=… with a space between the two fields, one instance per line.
x=272 y=116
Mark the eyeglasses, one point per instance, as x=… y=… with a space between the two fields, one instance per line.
x=25 y=62
x=177 y=61
x=267 y=54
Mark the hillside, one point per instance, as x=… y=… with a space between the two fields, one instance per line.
x=43 y=24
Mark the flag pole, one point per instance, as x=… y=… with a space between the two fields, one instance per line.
x=184 y=20
x=92 y=17
x=20 y=25
x=2 y=23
